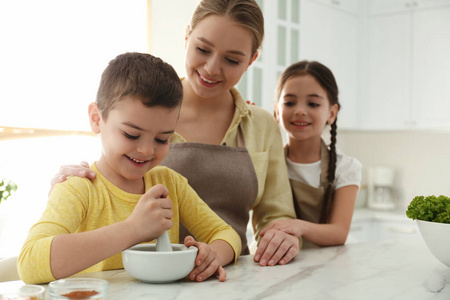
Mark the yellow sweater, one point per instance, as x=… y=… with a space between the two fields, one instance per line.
x=263 y=142
x=79 y=205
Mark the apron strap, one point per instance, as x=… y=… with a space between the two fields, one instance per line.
x=240 y=137
x=325 y=160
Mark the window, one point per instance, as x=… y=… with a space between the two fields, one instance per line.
x=52 y=55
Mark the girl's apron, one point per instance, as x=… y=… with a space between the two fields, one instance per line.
x=308 y=200
x=224 y=177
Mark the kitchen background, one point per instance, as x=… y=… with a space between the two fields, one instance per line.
x=390 y=58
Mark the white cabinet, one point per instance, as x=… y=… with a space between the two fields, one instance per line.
x=361 y=231
x=408 y=65
x=390 y=6
x=351 y=6
x=281 y=48
x=331 y=33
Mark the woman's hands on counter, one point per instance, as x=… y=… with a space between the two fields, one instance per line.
x=276 y=247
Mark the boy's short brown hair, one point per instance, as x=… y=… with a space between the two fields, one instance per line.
x=142 y=75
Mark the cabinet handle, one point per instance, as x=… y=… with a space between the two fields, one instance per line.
x=408 y=5
x=335 y=2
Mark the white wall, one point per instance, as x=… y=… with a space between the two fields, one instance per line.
x=173 y=16
x=420 y=157
x=31 y=164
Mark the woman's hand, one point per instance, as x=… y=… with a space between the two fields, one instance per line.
x=276 y=247
x=81 y=170
x=206 y=262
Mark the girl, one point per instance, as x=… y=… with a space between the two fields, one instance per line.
x=230 y=152
x=324 y=181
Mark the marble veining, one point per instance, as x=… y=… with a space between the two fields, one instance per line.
x=392 y=269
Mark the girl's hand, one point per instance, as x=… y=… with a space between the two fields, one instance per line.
x=289 y=226
x=206 y=263
x=152 y=215
x=276 y=247
x=81 y=170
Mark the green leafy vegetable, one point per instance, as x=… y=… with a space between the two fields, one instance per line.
x=431 y=208
x=6 y=188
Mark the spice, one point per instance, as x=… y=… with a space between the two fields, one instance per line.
x=80 y=294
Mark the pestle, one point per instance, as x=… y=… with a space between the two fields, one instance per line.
x=163 y=243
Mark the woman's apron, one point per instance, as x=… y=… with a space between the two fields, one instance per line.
x=308 y=200
x=224 y=177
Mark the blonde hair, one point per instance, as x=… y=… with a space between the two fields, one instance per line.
x=246 y=13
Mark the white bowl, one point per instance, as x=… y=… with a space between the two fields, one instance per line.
x=437 y=238
x=143 y=262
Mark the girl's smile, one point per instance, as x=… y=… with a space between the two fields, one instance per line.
x=304 y=108
x=300 y=124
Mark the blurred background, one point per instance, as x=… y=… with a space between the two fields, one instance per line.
x=390 y=59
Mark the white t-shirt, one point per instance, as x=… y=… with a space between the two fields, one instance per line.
x=348 y=171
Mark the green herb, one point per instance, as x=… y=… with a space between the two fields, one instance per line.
x=6 y=188
x=431 y=208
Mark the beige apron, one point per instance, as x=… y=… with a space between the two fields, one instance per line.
x=224 y=177
x=308 y=200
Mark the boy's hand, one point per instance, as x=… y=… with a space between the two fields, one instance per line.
x=152 y=215
x=206 y=263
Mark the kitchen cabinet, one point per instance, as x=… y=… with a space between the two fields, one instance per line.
x=351 y=6
x=281 y=48
x=332 y=34
x=408 y=65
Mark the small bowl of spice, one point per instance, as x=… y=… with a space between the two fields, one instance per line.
x=78 y=288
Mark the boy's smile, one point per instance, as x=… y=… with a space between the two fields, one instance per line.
x=135 y=138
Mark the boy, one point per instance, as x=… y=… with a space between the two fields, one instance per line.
x=88 y=223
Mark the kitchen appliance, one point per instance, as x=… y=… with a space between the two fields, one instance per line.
x=380 y=188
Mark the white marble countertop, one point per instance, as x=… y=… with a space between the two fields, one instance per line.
x=379 y=270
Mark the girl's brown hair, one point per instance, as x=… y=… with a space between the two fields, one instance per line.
x=246 y=13
x=326 y=79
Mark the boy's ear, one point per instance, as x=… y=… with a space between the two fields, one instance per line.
x=94 y=117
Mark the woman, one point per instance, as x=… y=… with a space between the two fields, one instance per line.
x=231 y=153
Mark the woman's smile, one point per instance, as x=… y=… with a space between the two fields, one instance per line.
x=207 y=82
